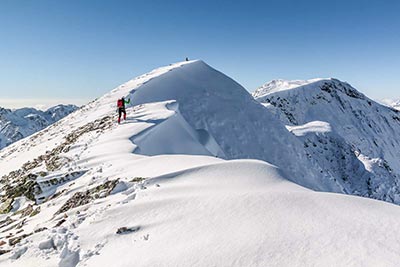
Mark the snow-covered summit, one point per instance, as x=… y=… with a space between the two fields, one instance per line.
x=60 y=111
x=179 y=176
x=366 y=129
x=392 y=103
x=396 y=104
x=281 y=85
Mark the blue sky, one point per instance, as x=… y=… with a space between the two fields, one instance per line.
x=78 y=50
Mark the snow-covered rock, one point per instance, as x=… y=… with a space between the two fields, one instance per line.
x=20 y=123
x=361 y=149
x=396 y=104
x=173 y=185
x=281 y=85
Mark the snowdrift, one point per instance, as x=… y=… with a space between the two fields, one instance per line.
x=164 y=188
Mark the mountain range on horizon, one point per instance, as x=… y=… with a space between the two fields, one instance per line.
x=19 y=123
x=269 y=178
x=394 y=103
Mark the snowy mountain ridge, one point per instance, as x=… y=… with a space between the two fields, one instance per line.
x=189 y=169
x=281 y=85
x=362 y=148
x=20 y=123
x=396 y=105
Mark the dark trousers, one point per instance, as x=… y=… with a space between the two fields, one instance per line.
x=120 y=111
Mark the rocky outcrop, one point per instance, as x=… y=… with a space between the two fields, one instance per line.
x=83 y=198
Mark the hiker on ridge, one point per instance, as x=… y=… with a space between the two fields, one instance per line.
x=121 y=108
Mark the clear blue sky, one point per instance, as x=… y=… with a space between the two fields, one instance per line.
x=82 y=49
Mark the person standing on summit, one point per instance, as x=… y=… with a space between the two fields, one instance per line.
x=121 y=108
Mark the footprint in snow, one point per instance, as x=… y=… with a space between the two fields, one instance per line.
x=92 y=252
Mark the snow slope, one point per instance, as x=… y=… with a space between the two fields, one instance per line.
x=238 y=213
x=161 y=189
x=215 y=110
x=221 y=110
x=360 y=145
x=281 y=85
x=20 y=123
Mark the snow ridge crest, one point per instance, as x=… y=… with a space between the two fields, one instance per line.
x=326 y=84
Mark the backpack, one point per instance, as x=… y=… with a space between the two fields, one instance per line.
x=120 y=103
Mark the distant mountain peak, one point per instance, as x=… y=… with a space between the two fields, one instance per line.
x=19 y=123
x=330 y=85
x=363 y=132
x=277 y=85
x=393 y=103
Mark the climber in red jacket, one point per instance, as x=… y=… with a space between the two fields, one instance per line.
x=121 y=108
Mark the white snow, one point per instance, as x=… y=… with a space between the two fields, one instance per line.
x=20 y=123
x=237 y=213
x=181 y=198
x=361 y=150
x=394 y=103
x=311 y=127
x=283 y=85
x=20 y=203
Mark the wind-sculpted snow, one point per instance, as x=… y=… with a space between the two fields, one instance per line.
x=214 y=104
x=162 y=188
x=246 y=210
x=311 y=127
x=366 y=130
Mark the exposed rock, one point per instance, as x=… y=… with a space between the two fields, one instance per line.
x=6 y=206
x=2 y=251
x=15 y=240
x=20 y=224
x=60 y=222
x=40 y=229
x=25 y=212
x=19 y=231
x=28 y=211
x=137 y=179
x=35 y=212
x=78 y=199
x=24 y=186
x=57 y=194
x=127 y=230
x=83 y=198
x=23 y=182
